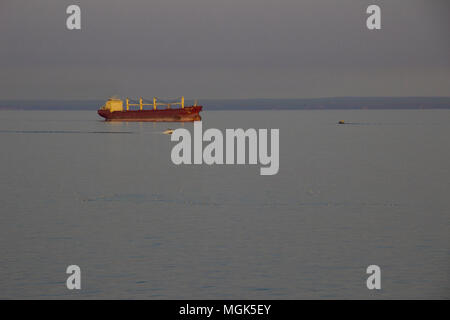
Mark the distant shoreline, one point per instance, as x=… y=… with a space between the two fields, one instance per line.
x=341 y=103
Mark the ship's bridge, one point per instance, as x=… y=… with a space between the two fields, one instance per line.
x=113 y=104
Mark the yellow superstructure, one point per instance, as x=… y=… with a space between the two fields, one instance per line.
x=113 y=105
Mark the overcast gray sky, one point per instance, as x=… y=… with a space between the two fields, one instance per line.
x=224 y=49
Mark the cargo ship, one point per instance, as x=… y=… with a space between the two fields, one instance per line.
x=113 y=110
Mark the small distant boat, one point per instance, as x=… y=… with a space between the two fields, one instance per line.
x=341 y=122
x=168 y=131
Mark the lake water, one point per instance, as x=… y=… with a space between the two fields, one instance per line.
x=106 y=197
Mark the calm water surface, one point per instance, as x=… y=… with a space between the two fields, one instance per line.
x=106 y=196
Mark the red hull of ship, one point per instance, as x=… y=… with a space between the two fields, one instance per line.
x=164 y=115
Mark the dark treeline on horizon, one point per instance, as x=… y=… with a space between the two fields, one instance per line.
x=371 y=103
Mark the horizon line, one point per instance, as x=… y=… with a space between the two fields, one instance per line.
x=249 y=98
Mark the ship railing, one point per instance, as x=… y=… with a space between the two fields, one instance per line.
x=155 y=103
